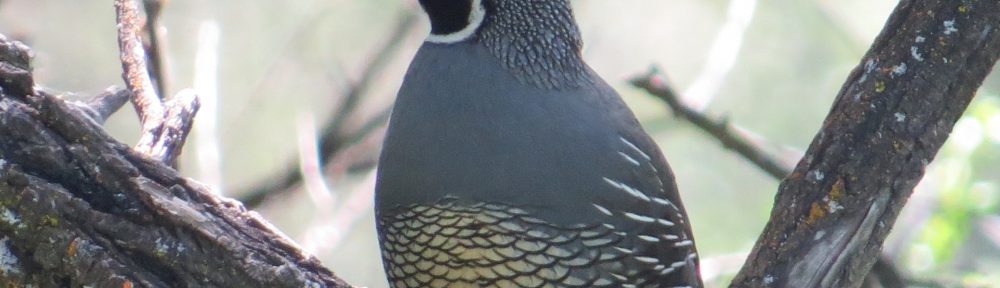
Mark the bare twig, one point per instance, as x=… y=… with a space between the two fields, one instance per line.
x=362 y=155
x=355 y=206
x=289 y=41
x=353 y=144
x=349 y=103
x=334 y=135
x=722 y=55
x=656 y=84
x=309 y=165
x=133 y=58
x=163 y=131
x=316 y=187
x=330 y=226
x=206 y=128
x=102 y=105
x=176 y=126
x=155 y=48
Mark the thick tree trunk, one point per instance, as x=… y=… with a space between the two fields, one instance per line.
x=78 y=208
x=894 y=112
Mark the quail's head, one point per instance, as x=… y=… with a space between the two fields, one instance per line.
x=537 y=40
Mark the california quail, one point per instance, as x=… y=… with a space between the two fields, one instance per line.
x=509 y=163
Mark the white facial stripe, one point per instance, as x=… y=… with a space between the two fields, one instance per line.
x=476 y=17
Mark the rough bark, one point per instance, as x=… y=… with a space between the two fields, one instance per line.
x=78 y=208
x=894 y=112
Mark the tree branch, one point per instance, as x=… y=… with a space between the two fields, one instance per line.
x=135 y=73
x=890 y=118
x=165 y=125
x=78 y=208
x=655 y=84
x=102 y=105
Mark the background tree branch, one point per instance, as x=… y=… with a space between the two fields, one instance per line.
x=656 y=84
x=335 y=136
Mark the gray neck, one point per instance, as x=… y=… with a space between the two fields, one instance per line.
x=538 y=41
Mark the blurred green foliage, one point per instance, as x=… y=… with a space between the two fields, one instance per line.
x=965 y=194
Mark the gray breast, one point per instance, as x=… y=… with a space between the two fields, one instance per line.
x=483 y=135
x=467 y=133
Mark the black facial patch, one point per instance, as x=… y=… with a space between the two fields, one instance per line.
x=447 y=16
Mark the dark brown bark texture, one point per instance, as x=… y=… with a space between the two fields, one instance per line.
x=888 y=121
x=79 y=209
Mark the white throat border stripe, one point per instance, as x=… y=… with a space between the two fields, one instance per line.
x=476 y=17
